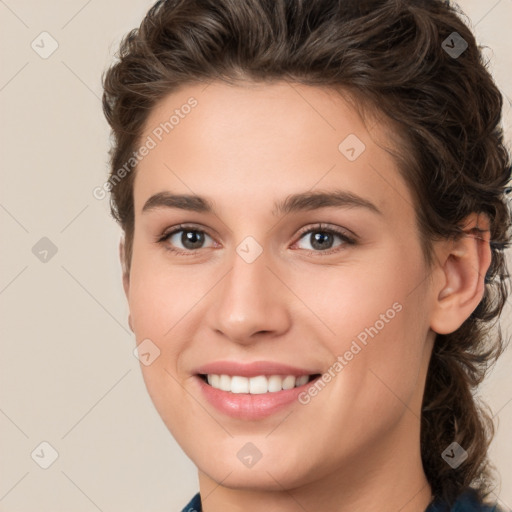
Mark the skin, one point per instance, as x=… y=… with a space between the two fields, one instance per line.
x=354 y=446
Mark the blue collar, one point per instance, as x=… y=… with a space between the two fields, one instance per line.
x=466 y=502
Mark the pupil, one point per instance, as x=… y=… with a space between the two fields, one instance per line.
x=192 y=239
x=320 y=237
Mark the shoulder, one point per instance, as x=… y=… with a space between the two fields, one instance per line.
x=194 y=505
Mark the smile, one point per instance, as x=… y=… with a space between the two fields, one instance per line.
x=256 y=385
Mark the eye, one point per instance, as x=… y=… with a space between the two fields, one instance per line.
x=190 y=238
x=321 y=239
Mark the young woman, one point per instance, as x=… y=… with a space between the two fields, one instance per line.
x=313 y=199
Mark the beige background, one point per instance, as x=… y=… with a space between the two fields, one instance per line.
x=68 y=375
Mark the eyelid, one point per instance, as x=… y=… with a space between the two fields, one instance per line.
x=181 y=227
x=322 y=226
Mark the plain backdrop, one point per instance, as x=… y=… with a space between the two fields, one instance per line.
x=68 y=376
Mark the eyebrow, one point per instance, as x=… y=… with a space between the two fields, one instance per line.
x=305 y=201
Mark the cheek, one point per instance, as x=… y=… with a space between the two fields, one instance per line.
x=161 y=295
x=168 y=398
x=377 y=321
x=387 y=372
x=360 y=295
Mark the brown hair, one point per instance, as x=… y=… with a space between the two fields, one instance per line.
x=390 y=55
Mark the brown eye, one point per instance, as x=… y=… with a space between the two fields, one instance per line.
x=185 y=239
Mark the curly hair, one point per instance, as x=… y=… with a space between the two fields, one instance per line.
x=391 y=56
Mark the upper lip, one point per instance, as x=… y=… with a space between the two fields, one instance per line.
x=252 y=369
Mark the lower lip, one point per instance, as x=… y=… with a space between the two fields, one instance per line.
x=247 y=406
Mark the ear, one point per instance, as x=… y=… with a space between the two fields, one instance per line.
x=463 y=264
x=126 y=273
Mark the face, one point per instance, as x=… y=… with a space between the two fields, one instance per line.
x=292 y=279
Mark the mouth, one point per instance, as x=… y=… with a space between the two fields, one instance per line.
x=257 y=385
x=252 y=390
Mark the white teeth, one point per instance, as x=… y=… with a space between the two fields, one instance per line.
x=303 y=379
x=289 y=382
x=258 y=385
x=214 y=380
x=255 y=385
x=239 y=384
x=275 y=383
x=225 y=383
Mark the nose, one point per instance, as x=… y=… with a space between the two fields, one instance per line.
x=251 y=302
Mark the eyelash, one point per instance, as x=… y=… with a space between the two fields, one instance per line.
x=322 y=228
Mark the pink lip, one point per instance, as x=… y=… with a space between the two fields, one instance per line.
x=253 y=369
x=246 y=406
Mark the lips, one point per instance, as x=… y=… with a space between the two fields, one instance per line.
x=254 y=390
x=254 y=369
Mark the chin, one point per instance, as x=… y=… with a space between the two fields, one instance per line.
x=264 y=479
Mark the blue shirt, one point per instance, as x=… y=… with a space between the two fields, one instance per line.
x=194 y=505
x=466 y=502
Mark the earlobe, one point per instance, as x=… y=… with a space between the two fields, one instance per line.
x=464 y=264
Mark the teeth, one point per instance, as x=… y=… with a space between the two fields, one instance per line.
x=214 y=381
x=289 y=382
x=239 y=384
x=256 y=385
x=275 y=383
x=303 y=379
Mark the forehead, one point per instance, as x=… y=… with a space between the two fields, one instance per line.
x=246 y=145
